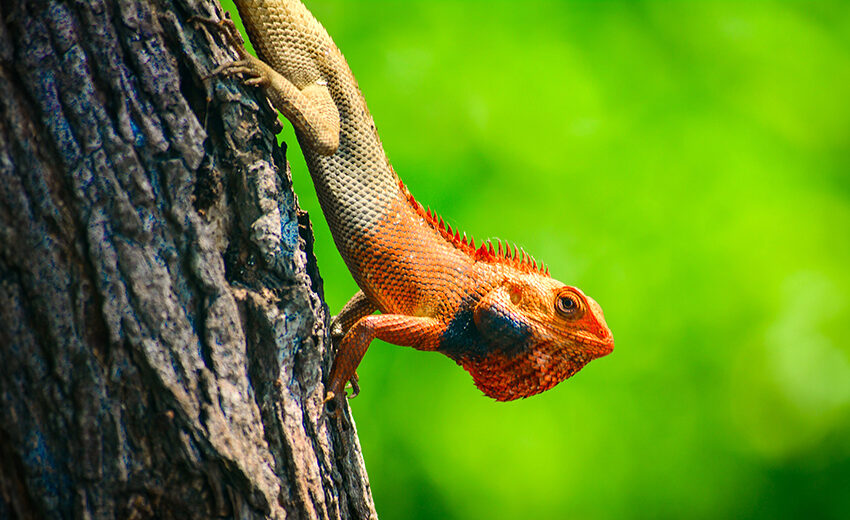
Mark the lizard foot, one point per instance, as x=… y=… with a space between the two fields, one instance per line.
x=250 y=67
x=256 y=72
x=355 y=386
x=331 y=396
x=336 y=335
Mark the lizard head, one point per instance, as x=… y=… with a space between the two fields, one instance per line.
x=539 y=332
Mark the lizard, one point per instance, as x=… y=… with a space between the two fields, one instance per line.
x=491 y=308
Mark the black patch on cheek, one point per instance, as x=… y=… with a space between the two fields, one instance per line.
x=463 y=339
x=504 y=331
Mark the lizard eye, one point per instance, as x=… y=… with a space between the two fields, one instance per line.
x=569 y=306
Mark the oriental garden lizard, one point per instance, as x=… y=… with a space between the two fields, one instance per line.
x=489 y=307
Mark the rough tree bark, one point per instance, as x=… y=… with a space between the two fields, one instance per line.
x=162 y=329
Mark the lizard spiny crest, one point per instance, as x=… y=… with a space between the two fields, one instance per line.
x=516 y=258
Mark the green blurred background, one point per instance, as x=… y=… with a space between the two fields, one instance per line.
x=688 y=165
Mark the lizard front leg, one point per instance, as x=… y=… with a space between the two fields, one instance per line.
x=406 y=331
x=310 y=108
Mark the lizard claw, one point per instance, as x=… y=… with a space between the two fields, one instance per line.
x=355 y=386
x=247 y=67
x=333 y=402
x=252 y=68
x=355 y=391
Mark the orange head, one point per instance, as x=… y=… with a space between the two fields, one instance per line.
x=538 y=332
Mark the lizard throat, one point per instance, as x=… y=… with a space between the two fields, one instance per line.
x=505 y=378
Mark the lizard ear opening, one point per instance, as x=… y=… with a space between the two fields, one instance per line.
x=515 y=293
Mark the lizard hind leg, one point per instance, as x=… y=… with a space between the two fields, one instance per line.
x=408 y=331
x=358 y=306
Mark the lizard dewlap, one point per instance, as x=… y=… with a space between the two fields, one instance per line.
x=491 y=308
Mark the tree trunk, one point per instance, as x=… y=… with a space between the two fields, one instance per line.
x=162 y=328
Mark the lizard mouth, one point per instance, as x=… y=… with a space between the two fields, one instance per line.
x=597 y=346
